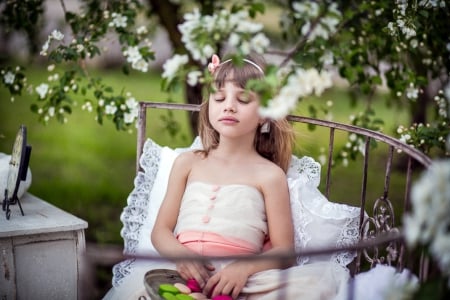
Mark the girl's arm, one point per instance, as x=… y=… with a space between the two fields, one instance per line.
x=162 y=235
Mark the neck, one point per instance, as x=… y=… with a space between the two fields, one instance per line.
x=234 y=150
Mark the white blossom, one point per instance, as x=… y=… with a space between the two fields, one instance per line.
x=327 y=58
x=172 y=65
x=193 y=77
x=9 y=77
x=131 y=103
x=208 y=51
x=134 y=57
x=51 y=111
x=412 y=92
x=429 y=220
x=42 y=90
x=234 y=39
x=57 y=35
x=260 y=42
x=405 y=138
x=128 y=118
x=141 y=30
x=80 y=48
x=45 y=48
x=140 y=65
x=240 y=31
x=87 y=106
x=300 y=84
x=310 y=9
x=401 y=286
x=118 y=21
x=132 y=53
x=110 y=109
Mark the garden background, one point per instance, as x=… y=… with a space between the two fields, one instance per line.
x=87 y=169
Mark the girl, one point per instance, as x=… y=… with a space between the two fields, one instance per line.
x=232 y=197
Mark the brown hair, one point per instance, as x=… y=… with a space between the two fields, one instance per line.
x=275 y=145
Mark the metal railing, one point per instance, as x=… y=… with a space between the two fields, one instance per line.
x=381 y=240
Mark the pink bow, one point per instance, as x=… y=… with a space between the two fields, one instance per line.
x=214 y=64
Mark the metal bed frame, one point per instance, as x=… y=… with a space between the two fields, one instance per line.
x=381 y=239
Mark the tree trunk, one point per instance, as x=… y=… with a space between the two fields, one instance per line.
x=419 y=108
x=168 y=13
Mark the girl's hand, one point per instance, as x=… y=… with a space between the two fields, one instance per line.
x=228 y=281
x=195 y=269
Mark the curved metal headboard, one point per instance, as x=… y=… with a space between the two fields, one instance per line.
x=382 y=219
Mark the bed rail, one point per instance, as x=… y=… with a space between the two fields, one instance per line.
x=381 y=219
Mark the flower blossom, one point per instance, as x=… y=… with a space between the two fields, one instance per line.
x=428 y=222
x=110 y=109
x=141 y=30
x=51 y=111
x=57 y=35
x=324 y=27
x=300 y=84
x=118 y=21
x=140 y=65
x=172 y=65
x=133 y=110
x=385 y=283
x=134 y=57
x=9 y=77
x=412 y=92
x=260 y=42
x=45 y=48
x=199 y=33
x=193 y=77
x=42 y=90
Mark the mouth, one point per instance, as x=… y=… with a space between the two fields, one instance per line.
x=228 y=120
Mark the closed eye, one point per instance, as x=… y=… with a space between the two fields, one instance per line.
x=244 y=97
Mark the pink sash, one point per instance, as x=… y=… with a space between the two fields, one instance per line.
x=211 y=244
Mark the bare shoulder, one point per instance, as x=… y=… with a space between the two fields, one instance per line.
x=271 y=175
x=186 y=160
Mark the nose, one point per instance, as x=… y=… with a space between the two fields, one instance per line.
x=229 y=105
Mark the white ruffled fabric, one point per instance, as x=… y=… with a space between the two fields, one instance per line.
x=382 y=283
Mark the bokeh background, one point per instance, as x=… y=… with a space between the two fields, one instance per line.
x=88 y=169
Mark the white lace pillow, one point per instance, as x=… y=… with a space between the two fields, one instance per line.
x=319 y=223
x=150 y=185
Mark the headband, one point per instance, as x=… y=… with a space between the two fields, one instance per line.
x=215 y=63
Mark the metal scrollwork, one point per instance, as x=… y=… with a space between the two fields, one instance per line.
x=382 y=222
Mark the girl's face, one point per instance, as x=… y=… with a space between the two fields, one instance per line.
x=233 y=111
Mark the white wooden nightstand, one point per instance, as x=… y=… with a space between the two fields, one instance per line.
x=41 y=252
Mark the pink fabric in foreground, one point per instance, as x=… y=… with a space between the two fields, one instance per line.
x=211 y=244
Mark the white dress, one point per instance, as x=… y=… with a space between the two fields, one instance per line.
x=236 y=213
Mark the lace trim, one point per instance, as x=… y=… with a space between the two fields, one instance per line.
x=307 y=167
x=349 y=235
x=136 y=211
